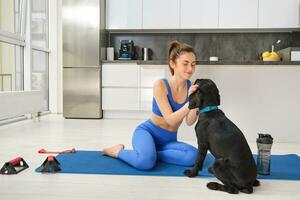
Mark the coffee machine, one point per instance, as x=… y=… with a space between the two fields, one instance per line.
x=126 y=51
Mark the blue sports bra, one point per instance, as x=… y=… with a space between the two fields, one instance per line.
x=175 y=106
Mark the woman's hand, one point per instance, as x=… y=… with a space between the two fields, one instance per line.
x=192 y=115
x=192 y=89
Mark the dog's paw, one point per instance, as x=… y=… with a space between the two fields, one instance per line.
x=213 y=185
x=248 y=190
x=256 y=183
x=189 y=173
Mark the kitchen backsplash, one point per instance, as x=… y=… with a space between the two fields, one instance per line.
x=226 y=46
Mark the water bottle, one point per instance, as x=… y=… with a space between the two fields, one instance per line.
x=264 y=144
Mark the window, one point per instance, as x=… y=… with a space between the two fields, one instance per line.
x=39 y=23
x=24 y=53
x=11 y=67
x=40 y=53
x=11 y=45
x=39 y=77
x=10 y=16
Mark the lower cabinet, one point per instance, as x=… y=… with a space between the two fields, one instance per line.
x=146 y=99
x=149 y=74
x=120 y=99
x=129 y=87
x=127 y=99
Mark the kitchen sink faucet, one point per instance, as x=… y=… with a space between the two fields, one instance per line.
x=278 y=41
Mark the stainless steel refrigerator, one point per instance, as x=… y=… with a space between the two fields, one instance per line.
x=83 y=25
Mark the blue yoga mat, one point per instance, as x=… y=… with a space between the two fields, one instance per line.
x=285 y=167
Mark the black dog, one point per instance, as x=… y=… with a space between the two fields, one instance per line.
x=234 y=165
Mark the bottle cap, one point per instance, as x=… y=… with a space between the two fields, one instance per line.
x=264 y=138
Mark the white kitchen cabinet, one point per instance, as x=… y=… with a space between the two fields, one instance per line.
x=120 y=99
x=161 y=14
x=151 y=73
x=129 y=87
x=146 y=99
x=120 y=75
x=120 y=87
x=238 y=13
x=124 y=14
x=197 y=14
x=278 y=14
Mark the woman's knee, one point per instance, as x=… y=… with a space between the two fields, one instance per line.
x=146 y=162
x=190 y=157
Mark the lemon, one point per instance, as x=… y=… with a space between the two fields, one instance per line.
x=274 y=55
x=266 y=54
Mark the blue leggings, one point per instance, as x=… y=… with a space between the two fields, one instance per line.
x=151 y=143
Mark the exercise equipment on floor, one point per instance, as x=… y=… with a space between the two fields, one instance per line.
x=283 y=167
x=43 y=151
x=50 y=165
x=14 y=166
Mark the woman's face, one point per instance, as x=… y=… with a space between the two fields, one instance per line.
x=184 y=65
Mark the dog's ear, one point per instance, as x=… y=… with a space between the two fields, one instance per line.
x=195 y=100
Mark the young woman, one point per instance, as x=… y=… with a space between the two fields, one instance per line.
x=156 y=139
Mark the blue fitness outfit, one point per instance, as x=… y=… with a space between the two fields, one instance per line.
x=151 y=142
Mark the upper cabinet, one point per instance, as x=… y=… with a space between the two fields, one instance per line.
x=238 y=13
x=199 y=14
x=161 y=14
x=124 y=14
x=278 y=13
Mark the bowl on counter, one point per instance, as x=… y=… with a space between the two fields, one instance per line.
x=213 y=58
x=271 y=59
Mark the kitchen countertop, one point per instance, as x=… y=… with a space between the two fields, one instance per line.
x=221 y=62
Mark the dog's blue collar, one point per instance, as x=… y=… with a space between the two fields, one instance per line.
x=208 y=108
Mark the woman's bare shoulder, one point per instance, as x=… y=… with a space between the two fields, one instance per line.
x=159 y=87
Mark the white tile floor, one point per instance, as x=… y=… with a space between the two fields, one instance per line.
x=56 y=133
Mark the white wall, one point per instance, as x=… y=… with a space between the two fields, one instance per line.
x=55 y=56
x=257 y=99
